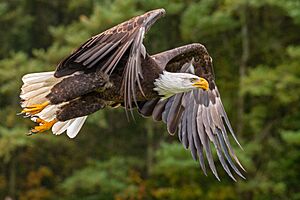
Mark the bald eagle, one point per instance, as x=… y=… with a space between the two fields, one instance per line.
x=113 y=68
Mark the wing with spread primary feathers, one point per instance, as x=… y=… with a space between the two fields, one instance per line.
x=105 y=50
x=198 y=116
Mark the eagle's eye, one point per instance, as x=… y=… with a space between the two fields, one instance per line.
x=193 y=80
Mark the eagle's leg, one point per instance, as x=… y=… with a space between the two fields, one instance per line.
x=43 y=126
x=79 y=107
x=78 y=85
x=82 y=106
x=34 y=109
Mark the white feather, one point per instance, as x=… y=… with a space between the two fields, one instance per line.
x=35 y=100
x=36 y=87
x=60 y=127
x=48 y=113
x=34 y=91
x=29 y=87
x=38 y=77
x=75 y=127
x=170 y=83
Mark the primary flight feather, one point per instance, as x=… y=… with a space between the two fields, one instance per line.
x=113 y=68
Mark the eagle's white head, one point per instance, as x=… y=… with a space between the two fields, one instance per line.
x=170 y=83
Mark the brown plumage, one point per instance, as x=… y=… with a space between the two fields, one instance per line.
x=104 y=51
x=114 y=68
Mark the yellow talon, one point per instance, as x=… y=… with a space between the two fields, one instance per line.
x=35 y=109
x=43 y=125
x=40 y=121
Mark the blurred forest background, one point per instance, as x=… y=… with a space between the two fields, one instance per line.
x=255 y=46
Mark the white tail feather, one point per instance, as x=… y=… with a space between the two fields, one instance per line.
x=60 y=127
x=34 y=91
x=35 y=100
x=38 y=77
x=36 y=87
x=75 y=126
x=30 y=87
x=49 y=112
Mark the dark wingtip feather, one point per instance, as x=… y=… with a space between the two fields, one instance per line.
x=226 y=153
x=174 y=114
x=147 y=108
x=158 y=110
x=226 y=120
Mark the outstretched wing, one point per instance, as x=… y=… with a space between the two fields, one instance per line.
x=104 y=51
x=198 y=116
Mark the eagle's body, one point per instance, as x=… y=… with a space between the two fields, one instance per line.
x=105 y=90
x=114 y=68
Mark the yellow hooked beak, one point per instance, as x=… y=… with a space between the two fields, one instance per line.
x=201 y=83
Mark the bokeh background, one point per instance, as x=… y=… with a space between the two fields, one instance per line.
x=255 y=46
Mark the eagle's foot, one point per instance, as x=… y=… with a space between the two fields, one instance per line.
x=43 y=126
x=34 y=109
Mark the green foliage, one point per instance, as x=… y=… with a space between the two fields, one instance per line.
x=291 y=137
x=12 y=140
x=212 y=22
x=102 y=180
x=176 y=176
x=115 y=159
